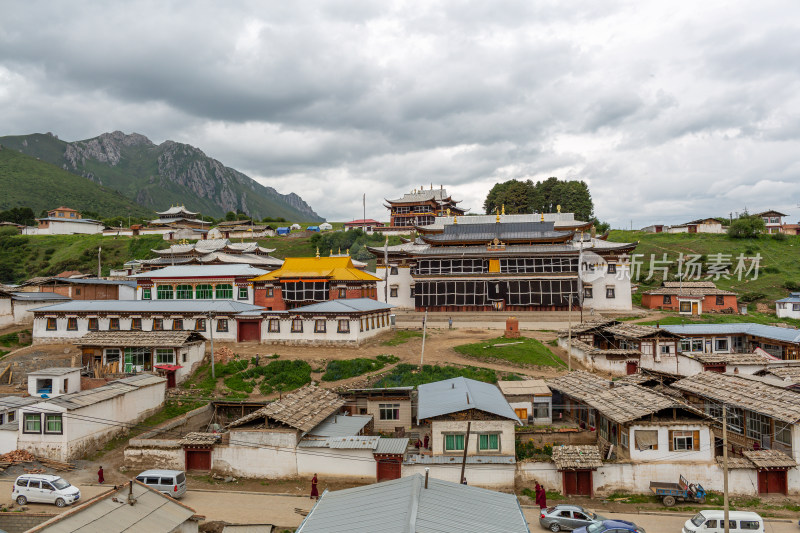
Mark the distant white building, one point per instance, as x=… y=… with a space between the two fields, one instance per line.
x=15 y=306
x=702 y=225
x=788 y=307
x=64 y=221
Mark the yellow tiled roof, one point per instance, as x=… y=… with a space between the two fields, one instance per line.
x=332 y=268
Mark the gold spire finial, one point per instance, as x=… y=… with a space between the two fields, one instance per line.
x=340 y=251
x=448 y=211
x=455 y=219
x=331 y=252
x=542 y=216
x=497 y=212
x=348 y=252
x=558 y=208
x=317 y=252
x=504 y=209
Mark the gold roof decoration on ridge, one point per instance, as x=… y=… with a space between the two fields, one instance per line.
x=332 y=268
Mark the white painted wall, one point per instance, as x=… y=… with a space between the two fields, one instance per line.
x=621 y=281
x=636 y=477
x=18 y=311
x=66 y=227
x=787 y=310
x=402 y=281
x=257 y=454
x=331 y=335
x=8 y=441
x=86 y=429
x=150 y=457
x=356 y=464
x=73 y=383
x=704 y=454
x=506 y=428
x=483 y=475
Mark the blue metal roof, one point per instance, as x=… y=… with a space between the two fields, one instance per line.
x=37 y=296
x=745 y=328
x=405 y=506
x=460 y=394
x=344 y=306
x=792 y=298
x=149 y=306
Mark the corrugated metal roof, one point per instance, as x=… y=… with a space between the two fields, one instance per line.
x=12 y=402
x=97 y=281
x=391 y=446
x=37 y=296
x=344 y=306
x=511 y=249
x=149 y=306
x=534 y=387
x=746 y=328
x=54 y=371
x=247 y=528
x=504 y=231
x=460 y=394
x=153 y=512
x=139 y=338
x=77 y=400
x=10 y=426
x=557 y=218
x=341 y=426
x=203 y=271
x=353 y=443
x=405 y=506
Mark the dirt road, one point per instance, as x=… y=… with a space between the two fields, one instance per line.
x=279 y=509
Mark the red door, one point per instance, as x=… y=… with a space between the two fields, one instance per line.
x=198 y=459
x=772 y=482
x=388 y=469
x=578 y=482
x=249 y=330
x=170 y=380
x=631 y=367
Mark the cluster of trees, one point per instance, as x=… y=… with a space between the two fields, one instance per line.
x=520 y=197
x=747 y=226
x=19 y=215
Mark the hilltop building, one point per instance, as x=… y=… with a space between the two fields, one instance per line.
x=773 y=220
x=303 y=281
x=505 y=262
x=178 y=216
x=65 y=221
x=421 y=207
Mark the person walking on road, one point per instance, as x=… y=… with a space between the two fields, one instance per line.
x=100 y=477
x=541 y=498
x=314 y=491
x=450 y=323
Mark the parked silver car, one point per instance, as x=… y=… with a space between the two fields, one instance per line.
x=567 y=517
x=170 y=482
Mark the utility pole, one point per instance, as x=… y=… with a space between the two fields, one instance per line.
x=99 y=269
x=725 y=501
x=569 y=334
x=424 y=330
x=211 y=331
x=386 y=270
x=464 y=459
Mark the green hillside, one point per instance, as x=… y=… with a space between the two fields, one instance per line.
x=23 y=256
x=158 y=176
x=779 y=266
x=29 y=182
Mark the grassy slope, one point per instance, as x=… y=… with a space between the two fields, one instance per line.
x=529 y=352
x=29 y=182
x=779 y=259
x=22 y=257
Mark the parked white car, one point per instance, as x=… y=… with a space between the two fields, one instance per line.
x=41 y=488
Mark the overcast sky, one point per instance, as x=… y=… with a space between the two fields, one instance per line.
x=669 y=110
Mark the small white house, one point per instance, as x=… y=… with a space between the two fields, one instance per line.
x=788 y=307
x=55 y=381
x=14 y=306
x=72 y=425
x=325 y=226
x=295 y=227
x=531 y=400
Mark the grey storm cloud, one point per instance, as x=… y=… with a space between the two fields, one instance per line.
x=669 y=112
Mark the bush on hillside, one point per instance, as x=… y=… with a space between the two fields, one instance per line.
x=746 y=227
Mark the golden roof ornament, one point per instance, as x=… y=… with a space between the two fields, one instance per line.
x=558 y=208
x=455 y=220
x=348 y=252
x=504 y=209
x=542 y=216
x=497 y=212
x=317 y=252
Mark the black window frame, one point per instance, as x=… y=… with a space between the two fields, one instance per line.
x=295 y=322
x=136 y=324
x=93 y=324
x=612 y=268
x=317 y=322
x=277 y=323
x=346 y=323
x=611 y=293
x=113 y=324
x=72 y=323
x=222 y=325
x=667 y=299
x=54 y=322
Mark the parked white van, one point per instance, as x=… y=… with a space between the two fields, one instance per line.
x=712 y=521
x=41 y=488
x=170 y=482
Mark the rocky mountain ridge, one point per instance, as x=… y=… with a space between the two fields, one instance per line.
x=156 y=176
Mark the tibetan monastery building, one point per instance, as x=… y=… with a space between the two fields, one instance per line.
x=421 y=207
x=304 y=281
x=509 y=262
x=179 y=217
